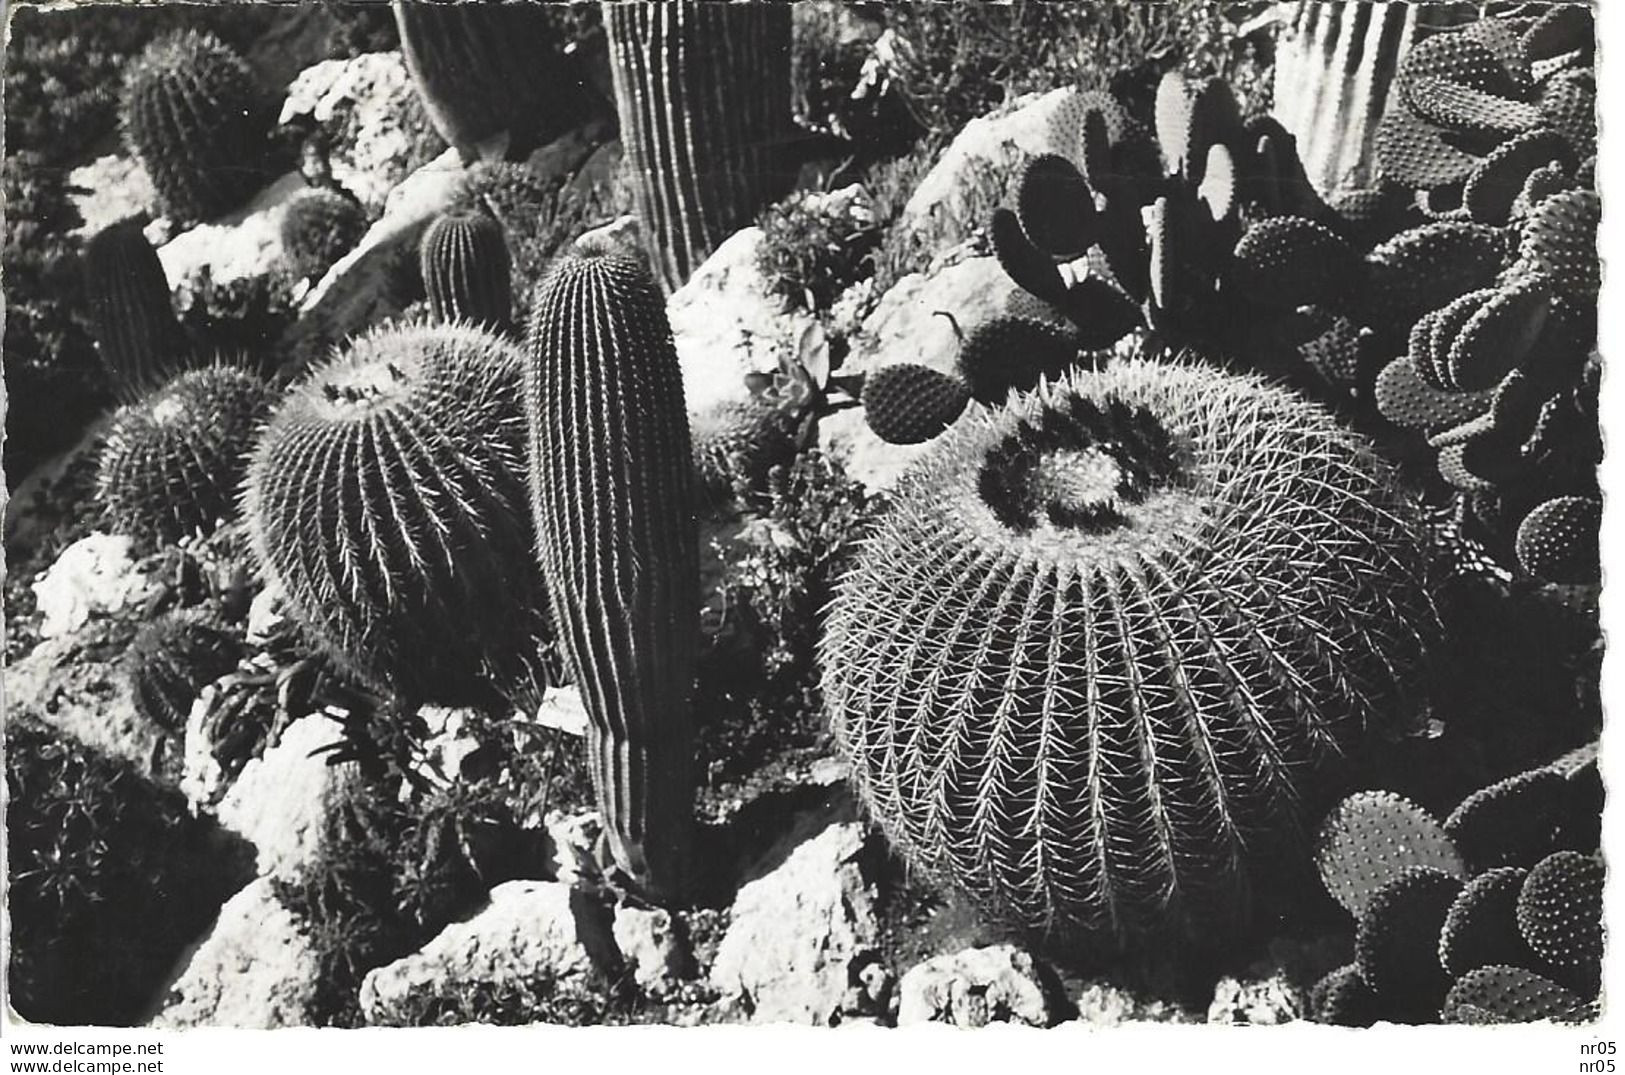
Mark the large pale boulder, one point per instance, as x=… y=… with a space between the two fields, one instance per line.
x=921 y=318
x=256 y=969
x=244 y=243
x=996 y=984
x=109 y=189
x=95 y=575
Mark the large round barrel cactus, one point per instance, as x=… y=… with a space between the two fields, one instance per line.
x=614 y=499
x=318 y=228
x=191 y=112
x=137 y=333
x=465 y=266
x=171 y=462
x=703 y=93
x=387 y=496
x=1090 y=654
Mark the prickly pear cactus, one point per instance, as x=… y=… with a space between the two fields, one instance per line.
x=137 y=333
x=1103 y=635
x=614 y=501
x=172 y=461
x=465 y=267
x=387 y=497
x=704 y=103
x=191 y=112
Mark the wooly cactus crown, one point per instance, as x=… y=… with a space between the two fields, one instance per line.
x=137 y=333
x=191 y=112
x=171 y=463
x=1093 y=650
x=465 y=267
x=614 y=502
x=387 y=498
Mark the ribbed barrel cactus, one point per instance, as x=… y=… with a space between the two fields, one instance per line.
x=466 y=270
x=614 y=498
x=703 y=93
x=137 y=333
x=319 y=227
x=191 y=112
x=172 y=659
x=387 y=497
x=171 y=462
x=1089 y=658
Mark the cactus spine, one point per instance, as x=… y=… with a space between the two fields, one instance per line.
x=704 y=104
x=614 y=499
x=466 y=270
x=134 y=324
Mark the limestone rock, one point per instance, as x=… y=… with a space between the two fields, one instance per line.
x=255 y=969
x=654 y=947
x=906 y=325
x=528 y=929
x=798 y=931
x=562 y=708
x=96 y=574
x=109 y=189
x=1267 y=1001
x=996 y=984
x=446 y=744
x=265 y=613
x=244 y=243
x=867 y=459
x=203 y=780
x=573 y=839
x=1104 y=1004
x=280 y=801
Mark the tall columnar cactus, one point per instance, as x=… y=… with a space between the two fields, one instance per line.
x=703 y=94
x=488 y=68
x=1089 y=657
x=171 y=462
x=614 y=500
x=191 y=112
x=387 y=497
x=465 y=267
x=137 y=333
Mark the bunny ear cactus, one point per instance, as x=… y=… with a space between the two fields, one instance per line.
x=465 y=266
x=612 y=490
x=191 y=112
x=137 y=333
x=704 y=105
x=1511 y=994
x=171 y=462
x=1068 y=678
x=387 y=497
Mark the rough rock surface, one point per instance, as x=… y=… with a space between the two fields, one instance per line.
x=1257 y=1001
x=279 y=801
x=906 y=325
x=868 y=460
x=254 y=970
x=109 y=189
x=572 y=839
x=798 y=931
x=96 y=574
x=1104 y=1004
x=727 y=322
x=245 y=242
x=366 y=95
x=654 y=948
x=996 y=984
x=528 y=928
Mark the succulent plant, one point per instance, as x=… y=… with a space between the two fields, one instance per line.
x=909 y=403
x=1558 y=540
x=1396 y=945
x=1511 y=994
x=171 y=462
x=1371 y=838
x=172 y=658
x=319 y=227
x=1068 y=676
x=191 y=112
x=137 y=333
x=1480 y=929
x=387 y=497
x=705 y=117
x=465 y=266
x=737 y=442
x=614 y=502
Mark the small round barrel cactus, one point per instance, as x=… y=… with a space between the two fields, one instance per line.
x=172 y=659
x=1091 y=654
x=466 y=270
x=137 y=333
x=171 y=462
x=191 y=113
x=703 y=95
x=319 y=227
x=614 y=501
x=387 y=498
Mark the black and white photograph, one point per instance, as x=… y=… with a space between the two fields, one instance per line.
x=707 y=514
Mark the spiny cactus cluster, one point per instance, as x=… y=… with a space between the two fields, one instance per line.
x=705 y=117
x=1095 y=647
x=138 y=337
x=737 y=443
x=171 y=462
x=191 y=112
x=319 y=227
x=1493 y=916
x=172 y=659
x=387 y=498
x=465 y=266
x=612 y=487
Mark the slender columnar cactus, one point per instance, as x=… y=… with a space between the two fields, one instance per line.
x=319 y=227
x=137 y=333
x=703 y=93
x=614 y=501
x=466 y=270
x=387 y=498
x=191 y=112
x=1087 y=660
x=171 y=462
